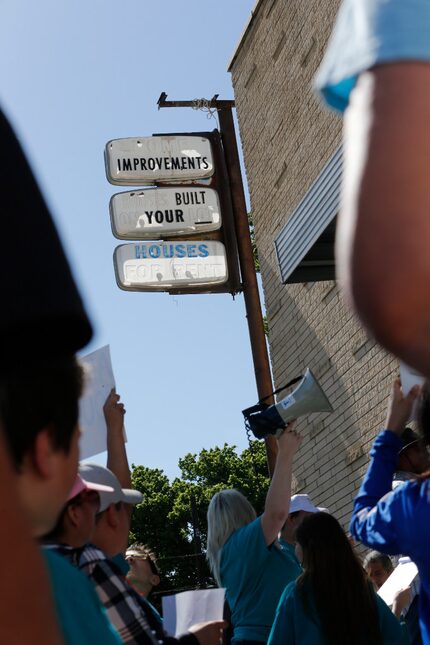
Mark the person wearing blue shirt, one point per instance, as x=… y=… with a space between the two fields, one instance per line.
x=377 y=69
x=397 y=521
x=332 y=602
x=244 y=553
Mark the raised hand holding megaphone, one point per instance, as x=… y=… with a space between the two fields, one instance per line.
x=308 y=397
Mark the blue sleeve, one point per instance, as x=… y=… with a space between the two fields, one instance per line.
x=282 y=632
x=369 y=33
x=387 y=520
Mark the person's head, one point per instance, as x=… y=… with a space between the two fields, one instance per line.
x=113 y=520
x=335 y=579
x=228 y=510
x=39 y=412
x=76 y=523
x=300 y=507
x=378 y=567
x=413 y=456
x=143 y=574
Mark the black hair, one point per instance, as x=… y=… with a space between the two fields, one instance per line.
x=38 y=396
x=334 y=582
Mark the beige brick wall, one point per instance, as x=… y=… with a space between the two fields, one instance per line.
x=287 y=137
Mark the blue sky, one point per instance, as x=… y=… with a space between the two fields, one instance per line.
x=74 y=75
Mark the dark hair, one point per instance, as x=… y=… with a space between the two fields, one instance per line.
x=384 y=560
x=334 y=578
x=38 y=396
x=146 y=553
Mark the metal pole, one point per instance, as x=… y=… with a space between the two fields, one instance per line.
x=251 y=294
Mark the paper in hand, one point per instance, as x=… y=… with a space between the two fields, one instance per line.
x=99 y=382
x=182 y=610
x=408 y=378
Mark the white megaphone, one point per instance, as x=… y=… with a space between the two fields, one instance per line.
x=308 y=397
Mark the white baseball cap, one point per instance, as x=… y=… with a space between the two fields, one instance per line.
x=100 y=475
x=302 y=502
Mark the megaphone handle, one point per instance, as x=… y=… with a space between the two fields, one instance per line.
x=284 y=387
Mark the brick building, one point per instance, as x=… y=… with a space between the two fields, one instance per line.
x=291 y=147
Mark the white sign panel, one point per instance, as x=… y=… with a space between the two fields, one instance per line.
x=146 y=160
x=182 y=610
x=159 y=266
x=402 y=576
x=99 y=382
x=163 y=212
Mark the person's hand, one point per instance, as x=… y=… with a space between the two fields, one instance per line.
x=209 y=633
x=114 y=412
x=289 y=440
x=402 y=599
x=400 y=407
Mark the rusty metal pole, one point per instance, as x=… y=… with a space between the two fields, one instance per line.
x=251 y=294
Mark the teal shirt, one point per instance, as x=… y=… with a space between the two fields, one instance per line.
x=254 y=576
x=293 y=626
x=81 y=616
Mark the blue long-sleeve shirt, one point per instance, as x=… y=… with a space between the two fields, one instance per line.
x=395 y=521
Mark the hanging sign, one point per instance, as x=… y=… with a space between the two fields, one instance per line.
x=164 y=212
x=147 y=160
x=160 y=266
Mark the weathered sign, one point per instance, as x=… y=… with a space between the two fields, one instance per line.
x=159 y=266
x=164 y=212
x=147 y=160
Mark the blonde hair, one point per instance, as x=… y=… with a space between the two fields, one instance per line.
x=228 y=510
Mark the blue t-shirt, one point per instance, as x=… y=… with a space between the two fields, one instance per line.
x=81 y=616
x=254 y=576
x=369 y=33
x=293 y=626
x=395 y=521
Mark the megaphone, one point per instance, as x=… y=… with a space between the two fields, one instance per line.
x=308 y=397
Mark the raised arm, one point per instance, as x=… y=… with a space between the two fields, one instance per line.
x=376 y=520
x=117 y=460
x=279 y=493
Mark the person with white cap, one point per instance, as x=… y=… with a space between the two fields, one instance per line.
x=103 y=562
x=300 y=507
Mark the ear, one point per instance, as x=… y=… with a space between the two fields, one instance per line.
x=44 y=455
x=155 y=580
x=73 y=513
x=111 y=515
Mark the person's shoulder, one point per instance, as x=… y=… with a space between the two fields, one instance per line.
x=289 y=593
x=243 y=532
x=64 y=575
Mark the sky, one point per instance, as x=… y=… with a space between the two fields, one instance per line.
x=74 y=75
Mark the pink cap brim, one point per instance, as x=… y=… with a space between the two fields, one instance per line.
x=82 y=484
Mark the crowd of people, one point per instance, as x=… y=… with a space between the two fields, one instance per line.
x=292 y=575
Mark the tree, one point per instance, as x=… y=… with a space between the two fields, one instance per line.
x=172 y=516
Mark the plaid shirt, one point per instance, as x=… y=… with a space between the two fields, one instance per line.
x=122 y=603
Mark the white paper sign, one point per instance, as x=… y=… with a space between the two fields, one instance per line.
x=410 y=377
x=182 y=610
x=99 y=382
x=401 y=578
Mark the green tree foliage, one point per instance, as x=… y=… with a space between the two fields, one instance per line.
x=254 y=245
x=164 y=519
